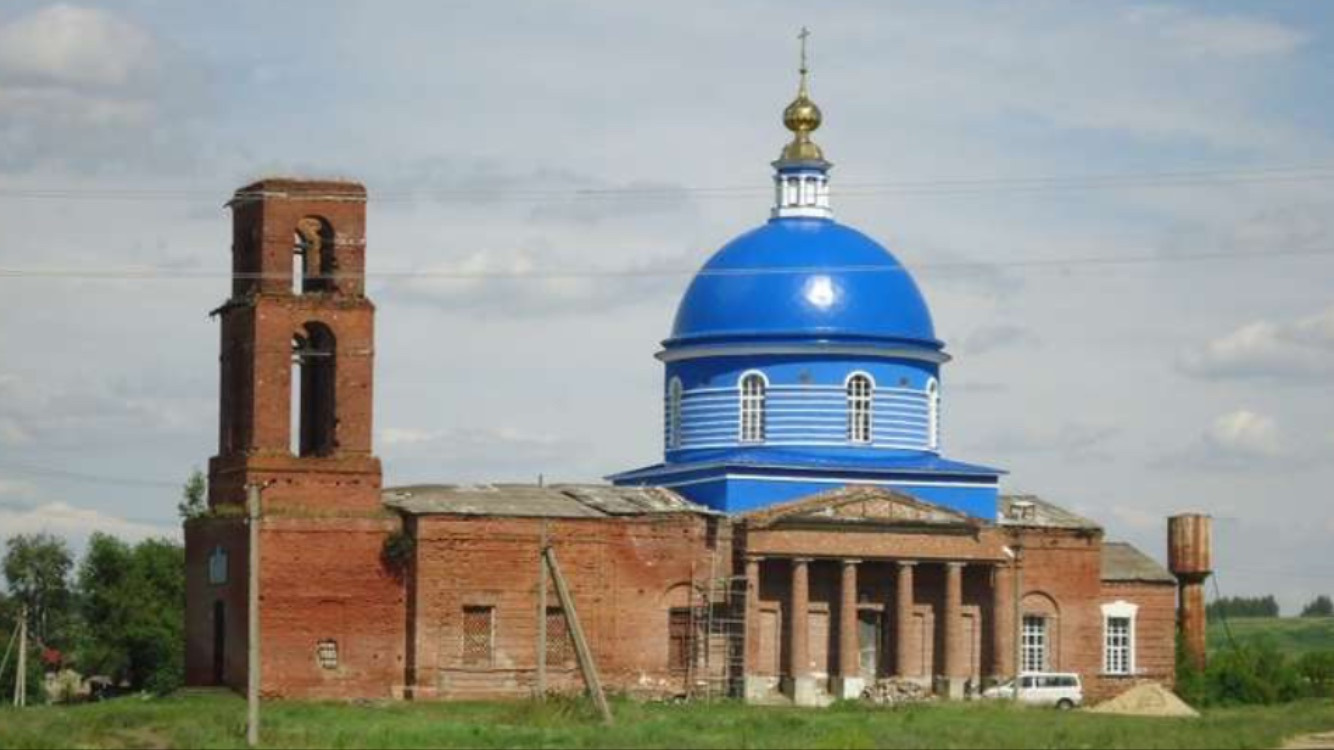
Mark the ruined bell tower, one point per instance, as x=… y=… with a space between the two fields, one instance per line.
x=297 y=351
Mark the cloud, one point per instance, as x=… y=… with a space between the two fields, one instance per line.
x=1296 y=350
x=454 y=455
x=75 y=523
x=999 y=336
x=1242 y=439
x=1072 y=441
x=1218 y=36
x=83 y=87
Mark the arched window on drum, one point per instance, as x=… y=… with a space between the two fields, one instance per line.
x=753 y=386
x=933 y=414
x=860 y=390
x=674 y=414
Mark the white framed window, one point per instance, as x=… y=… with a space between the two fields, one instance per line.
x=933 y=414
x=753 y=386
x=1033 y=646
x=1118 y=638
x=860 y=389
x=674 y=414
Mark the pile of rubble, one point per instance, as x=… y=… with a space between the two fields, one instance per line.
x=895 y=692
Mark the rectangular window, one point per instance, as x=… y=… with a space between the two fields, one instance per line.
x=560 y=647
x=679 y=642
x=326 y=653
x=1117 y=645
x=478 y=636
x=1034 y=644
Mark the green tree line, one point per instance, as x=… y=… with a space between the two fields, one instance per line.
x=118 y=613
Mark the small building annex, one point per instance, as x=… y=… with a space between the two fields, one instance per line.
x=803 y=535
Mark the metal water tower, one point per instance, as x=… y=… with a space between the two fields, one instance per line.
x=1190 y=552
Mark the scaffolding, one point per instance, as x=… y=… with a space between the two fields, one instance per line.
x=718 y=630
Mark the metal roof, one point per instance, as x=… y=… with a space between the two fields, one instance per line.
x=1123 y=562
x=530 y=500
x=1033 y=511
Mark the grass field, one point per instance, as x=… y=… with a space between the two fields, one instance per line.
x=217 y=721
x=1293 y=636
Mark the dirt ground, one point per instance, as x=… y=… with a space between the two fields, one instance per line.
x=1321 y=741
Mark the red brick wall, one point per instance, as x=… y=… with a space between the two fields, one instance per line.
x=1155 y=637
x=1062 y=574
x=624 y=574
x=201 y=538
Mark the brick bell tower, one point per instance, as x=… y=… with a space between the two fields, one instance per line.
x=297 y=352
x=295 y=418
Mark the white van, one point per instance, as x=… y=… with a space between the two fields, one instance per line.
x=1060 y=689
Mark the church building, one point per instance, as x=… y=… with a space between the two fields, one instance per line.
x=803 y=537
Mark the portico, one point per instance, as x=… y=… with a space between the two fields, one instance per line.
x=863 y=583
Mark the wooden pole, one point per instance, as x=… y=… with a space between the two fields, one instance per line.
x=21 y=678
x=252 y=638
x=542 y=614
x=586 y=663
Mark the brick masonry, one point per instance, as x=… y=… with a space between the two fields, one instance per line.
x=456 y=614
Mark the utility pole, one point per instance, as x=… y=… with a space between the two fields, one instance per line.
x=21 y=678
x=252 y=611
x=542 y=608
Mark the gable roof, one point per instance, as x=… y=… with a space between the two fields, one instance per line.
x=1123 y=562
x=1032 y=511
x=537 y=501
x=858 y=504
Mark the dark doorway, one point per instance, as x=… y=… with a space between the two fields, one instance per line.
x=219 y=641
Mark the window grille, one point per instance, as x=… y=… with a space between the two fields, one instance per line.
x=478 y=636
x=680 y=644
x=1117 y=646
x=674 y=414
x=1034 y=644
x=560 y=647
x=326 y=653
x=859 y=409
x=752 y=408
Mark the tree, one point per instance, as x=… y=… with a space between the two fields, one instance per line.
x=1321 y=606
x=37 y=568
x=1243 y=606
x=194 y=496
x=133 y=601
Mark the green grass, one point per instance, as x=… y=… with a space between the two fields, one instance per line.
x=218 y=721
x=1293 y=636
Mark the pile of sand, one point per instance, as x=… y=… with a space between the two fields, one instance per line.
x=1149 y=699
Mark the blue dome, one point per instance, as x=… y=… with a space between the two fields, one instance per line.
x=802 y=278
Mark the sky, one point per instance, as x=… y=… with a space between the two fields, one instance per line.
x=1119 y=214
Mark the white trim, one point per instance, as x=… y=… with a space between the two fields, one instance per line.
x=749 y=350
x=674 y=413
x=750 y=407
x=823 y=480
x=933 y=414
x=1121 y=610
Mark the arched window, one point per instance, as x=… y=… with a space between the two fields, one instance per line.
x=312 y=256
x=752 y=408
x=933 y=414
x=314 y=414
x=674 y=414
x=859 y=408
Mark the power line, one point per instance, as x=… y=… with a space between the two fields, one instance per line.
x=471 y=194
x=174 y=274
x=76 y=476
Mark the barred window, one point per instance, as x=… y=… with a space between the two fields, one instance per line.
x=674 y=414
x=859 y=408
x=478 y=636
x=1034 y=644
x=1117 y=646
x=559 y=646
x=752 y=408
x=679 y=641
x=326 y=653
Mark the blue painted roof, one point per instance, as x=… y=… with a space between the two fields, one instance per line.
x=803 y=278
x=911 y=462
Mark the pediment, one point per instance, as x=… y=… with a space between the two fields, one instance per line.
x=858 y=505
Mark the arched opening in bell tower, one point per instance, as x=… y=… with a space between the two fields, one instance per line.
x=314 y=412
x=312 y=256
